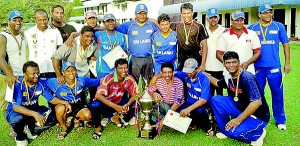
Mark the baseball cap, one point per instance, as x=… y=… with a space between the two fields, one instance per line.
x=190 y=65
x=15 y=14
x=237 y=14
x=141 y=8
x=264 y=8
x=108 y=17
x=212 y=12
x=90 y=14
x=66 y=65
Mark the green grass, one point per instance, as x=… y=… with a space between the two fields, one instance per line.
x=128 y=136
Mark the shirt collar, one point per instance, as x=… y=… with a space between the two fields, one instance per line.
x=231 y=31
x=116 y=77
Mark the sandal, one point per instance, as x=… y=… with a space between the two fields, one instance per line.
x=62 y=134
x=193 y=127
x=96 y=135
x=89 y=124
x=210 y=132
x=77 y=124
x=117 y=122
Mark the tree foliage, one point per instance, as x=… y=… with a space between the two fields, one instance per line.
x=27 y=7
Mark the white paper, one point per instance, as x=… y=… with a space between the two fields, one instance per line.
x=173 y=120
x=113 y=55
x=9 y=93
x=92 y=66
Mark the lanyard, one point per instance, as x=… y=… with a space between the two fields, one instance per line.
x=236 y=88
x=264 y=33
x=19 y=43
x=187 y=34
x=75 y=90
x=112 y=45
x=27 y=91
x=82 y=52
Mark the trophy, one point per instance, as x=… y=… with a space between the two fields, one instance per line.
x=146 y=106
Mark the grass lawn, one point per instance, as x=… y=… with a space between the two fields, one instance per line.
x=128 y=136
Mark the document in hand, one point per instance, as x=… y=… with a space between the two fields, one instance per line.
x=173 y=120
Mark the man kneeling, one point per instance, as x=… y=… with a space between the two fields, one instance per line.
x=244 y=113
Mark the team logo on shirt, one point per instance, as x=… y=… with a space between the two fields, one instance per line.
x=248 y=41
x=63 y=93
x=273 y=32
x=25 y=94
x=172 y=43
x=198 y=89
x=149 y=31
x=158 y=43
x=135 y=32
x=188 y=85
x=258 y=32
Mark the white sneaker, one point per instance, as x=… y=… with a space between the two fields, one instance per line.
x=281 y=126
x=21 y=142
x=104 y=122
x=260 y=140
x=221 y=135
x=28 y=133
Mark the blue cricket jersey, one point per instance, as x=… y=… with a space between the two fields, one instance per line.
x=104 y=47
x=270 y=50
x=62 y=91
x=196 y=89
x=21 y=97
x=139 y=37
x=165 y=47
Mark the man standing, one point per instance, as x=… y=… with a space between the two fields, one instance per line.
x=215 y=67
x=197 y=96
x=139 y=33
x=268 y=65
x=81 y=52
x=243 y=114
x=241 y=40
x=108 y=40
x=165 y=43
x=191 y=37
x=25 y=110
x=91 y=19
x=167 y=92
x=70 y=92
x=111 y=97
x=58 y=22
x=42 y=43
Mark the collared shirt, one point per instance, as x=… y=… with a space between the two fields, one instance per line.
x=172 y=93
x=113 y=91
x=248 y=91
x=197 y=88
x=165 y=47
x=244 y=45
x=139 y=37
x=105 y=46
x=72 y=54
x=29 y=99
x=42 y=45
x=270 y=49
x=212 y=42
x=71 y=94
x=196 y=35
x=16 y=57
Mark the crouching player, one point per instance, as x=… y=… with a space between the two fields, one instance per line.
x=70 y=92
x=25 y=110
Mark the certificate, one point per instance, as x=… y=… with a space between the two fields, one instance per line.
x=173 y=120
x=113 y=55
x=92 y=66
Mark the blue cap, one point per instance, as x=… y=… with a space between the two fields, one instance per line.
x=237 y=14
x=141 y=8
x=264 y=8
x=190 y=65
x=66 y=65
x=212 y=12
x=15 y=14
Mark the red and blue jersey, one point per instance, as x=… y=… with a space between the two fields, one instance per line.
x=71 y=94
x=196 y=88
x=275 y=34
x=165 y=47
x=28 y=96
x=139 y=37
x=105 y=46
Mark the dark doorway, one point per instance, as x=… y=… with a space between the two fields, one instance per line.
x=279 y=16
x=227 y=20
x=293 y=22
x=203 y=19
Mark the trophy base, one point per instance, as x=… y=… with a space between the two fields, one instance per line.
x=148 y=134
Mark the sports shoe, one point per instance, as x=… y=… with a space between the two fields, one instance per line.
x=260 y=140
x=221 y=135
x=21 y=142
x=105 y=122
x=281 y=126
x=28 y=133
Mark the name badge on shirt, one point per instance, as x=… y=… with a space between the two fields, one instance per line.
x=38 y=92
x=149 y=31
x=63 y=93
x=158 y=43
x=135 y=32
x=275 y=70
x=24 y=94
x=273 y=32
x=172 y=43
x=258 y=32
x=188 y=85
